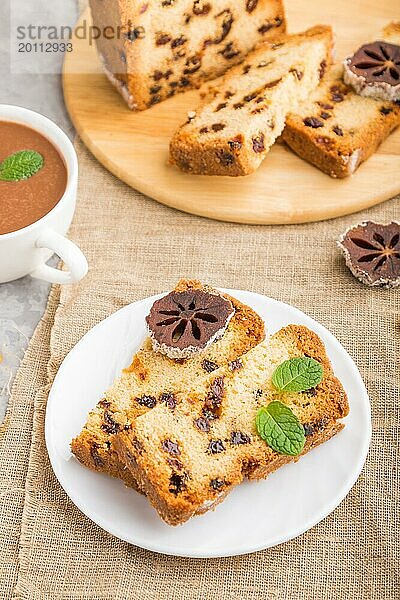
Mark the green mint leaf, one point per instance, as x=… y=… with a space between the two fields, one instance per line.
x=280 y=428
x=297 y=374
x=21 y=165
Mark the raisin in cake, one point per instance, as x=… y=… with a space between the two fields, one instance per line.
x=187 y=458
x=336 y=129
x=161 y=48
x=231 y=134
x=153 y=379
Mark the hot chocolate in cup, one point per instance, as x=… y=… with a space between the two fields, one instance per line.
x=36 y=210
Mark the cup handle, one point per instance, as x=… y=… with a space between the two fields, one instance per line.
x=71 y=255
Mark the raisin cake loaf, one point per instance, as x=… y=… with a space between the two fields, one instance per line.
x=231 y=134
x=336 y=129
x=160 y=48
x=187 y=458
x=153 y=379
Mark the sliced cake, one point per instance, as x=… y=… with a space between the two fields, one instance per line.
x=188 y=457
x=154 y=379
x=232 y=133
x=153 y=50
x=336 y=129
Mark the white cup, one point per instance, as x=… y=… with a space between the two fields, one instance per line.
x=25 y=252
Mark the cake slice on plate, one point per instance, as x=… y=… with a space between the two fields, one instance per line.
x=232 y=133
x=153 y=50
x=187 y=458
x=154 y=379
x=336 y=129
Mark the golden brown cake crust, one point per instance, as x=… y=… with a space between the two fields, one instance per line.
x=177 y=514
x=243 y=114
x=147 y=376
x=391 y=33
x=336 y=129
x=90 y=453
x=159 y=49
x=186 y=470
x=340 y=154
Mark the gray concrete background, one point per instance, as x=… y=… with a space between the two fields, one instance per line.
x=23 y=302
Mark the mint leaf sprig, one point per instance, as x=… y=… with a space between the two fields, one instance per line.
x=277 y=425
x=297 y=374
x=21 y=165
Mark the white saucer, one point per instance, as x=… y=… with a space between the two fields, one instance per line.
x=255 y=515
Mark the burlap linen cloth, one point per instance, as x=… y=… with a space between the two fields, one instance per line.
x=135 y=248
x=15 y=444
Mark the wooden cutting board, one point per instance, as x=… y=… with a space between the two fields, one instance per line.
x=134 y=146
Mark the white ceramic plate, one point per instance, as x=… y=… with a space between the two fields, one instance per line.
x=255 y=515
